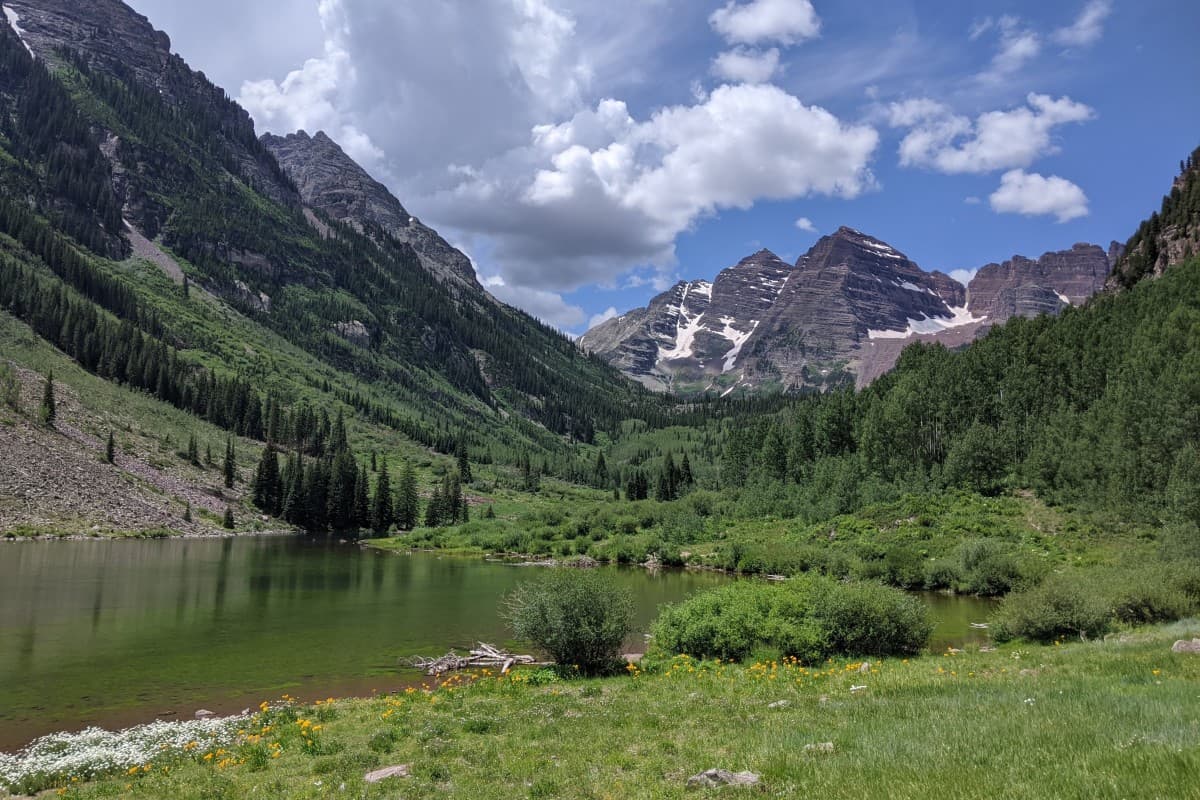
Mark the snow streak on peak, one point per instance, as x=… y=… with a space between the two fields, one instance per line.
x=961 y=316
x=14 y=22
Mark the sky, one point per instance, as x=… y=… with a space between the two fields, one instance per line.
x=588 y=154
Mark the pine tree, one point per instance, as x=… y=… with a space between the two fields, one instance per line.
x=208 y=458
x=686 y=478
x=230 y=466
x=110 y=449
x=187 y=513
x=343 y=474
x=490 y=513
x=464 y=463
x=193 y=451
x=374 y=463
x=227 y=521
x=49 y=409
x=433 y=511
x=407 y=500
x=294 y=510
x=383 y=513
x=362 y=509
x=600 y=473
x=267 y=494
x=337 y=441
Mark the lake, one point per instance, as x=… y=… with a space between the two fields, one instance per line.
x=113 y=633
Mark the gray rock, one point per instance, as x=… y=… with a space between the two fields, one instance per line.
x=1184 y=646
x=819 y=747
x=779 y=704
x=398 y=771
x=713 y=778
x=864 y=668
x=1021 y=287
x=204 y=713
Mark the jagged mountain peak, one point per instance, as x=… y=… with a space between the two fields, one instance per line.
x=332 y=182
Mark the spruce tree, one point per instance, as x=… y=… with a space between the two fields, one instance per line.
x=49 y=409
x=433 y=511
x=193 y=450
x=110 y=449
x=293 y=500
x=490 y=513
x=362 y=509
x=267 y=494
x=227 y=521
x=187 y=513
x=464 y=463
x=343 y=474
x=338 y=442
x=407 y=500
x=230 y=466
x=600 y=473
x=382 y=512
x=686 y=478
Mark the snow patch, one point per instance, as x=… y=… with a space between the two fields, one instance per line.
x=912 y=287
x=883 y=250
x=14 y=22
x=1064 y=298
x=738 y=338
x=961 y=316
x=685 y=335
x=701 y=288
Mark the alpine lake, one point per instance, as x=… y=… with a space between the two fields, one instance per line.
x=118 y=632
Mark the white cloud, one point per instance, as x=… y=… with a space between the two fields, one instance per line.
x=972 y=200
x=1088 y=27
x=1032 y=194
x=963 y=276
x=547 y=306
x=806 y=224
x=995 y=140
x=604 y=316
x=784 y=21
x=592 y=197
x=1018 y=46
x=745 y=65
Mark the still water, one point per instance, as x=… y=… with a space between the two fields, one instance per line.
x=118 y=632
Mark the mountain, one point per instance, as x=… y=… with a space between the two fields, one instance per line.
x=331 y=182
x=151 y=235
x=841 y=315
x=1169 y=236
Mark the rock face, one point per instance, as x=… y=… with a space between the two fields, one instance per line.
x=1025 y=288
x=333 y=183
x=841 y=315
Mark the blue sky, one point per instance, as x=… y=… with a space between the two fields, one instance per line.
x=586 y=155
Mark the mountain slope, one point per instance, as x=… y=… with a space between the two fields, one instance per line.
x=841 y=315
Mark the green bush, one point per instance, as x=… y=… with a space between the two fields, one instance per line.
x=577 y=617
x=808 y=618
x=989 y=568
x=1063 y=605
x=1153 y=593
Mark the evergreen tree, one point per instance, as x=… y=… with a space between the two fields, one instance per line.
x=343 y=475
x=686 y=478
x=407 y=501
x=464 y=463
x=383 y=514
x=490 y=513
x=337 y=441
x=362 y=508
x=600 y=473
x=193 y=450
x=433 y=511
x=374 y=463
x=230 y=466
x=110 y=449
x=208 y=457
x=49 y=409
x=187 y=513
x=227 y=521
x=267 y=489
x=294 y=510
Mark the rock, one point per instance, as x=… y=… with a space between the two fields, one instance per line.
x=398 y=771
x=857 y=689
x=204 y=713
x=333 y=183
x=1021 y=287
x=354 y=332
x=1184 y=646
x=864 y=668
x=819 y=747
x=779 y=704
x=714 y=778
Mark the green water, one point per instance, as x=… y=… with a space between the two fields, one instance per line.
x=118 y=632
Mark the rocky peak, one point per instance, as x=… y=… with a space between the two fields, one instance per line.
x=331 y=181
x=1024 y=287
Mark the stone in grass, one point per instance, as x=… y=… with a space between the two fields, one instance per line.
x=713 y=778
x=779 y=704
x=399 y=771
x=1184 y=646
x=204 y=713
x=819 y=747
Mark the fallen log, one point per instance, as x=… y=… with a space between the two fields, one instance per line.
x=483 y=655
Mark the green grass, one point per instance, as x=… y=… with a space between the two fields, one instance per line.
x=1103 y=719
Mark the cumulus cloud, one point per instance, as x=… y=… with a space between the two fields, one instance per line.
x=806 y=224
x=784 y=21
x=604 y=316
x=1088 y=27
x=549 y=307
x=745 y=65
x=608 y=191
x=941 y=140
x=1032 y=194
x=963 y=276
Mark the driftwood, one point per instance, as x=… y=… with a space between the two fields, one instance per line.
x=483 y=655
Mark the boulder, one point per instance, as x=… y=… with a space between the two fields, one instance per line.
x=204 y=713
x=1184 y=646
x=779 y=704
x=714 y=778
x=819 y=747
x=398 y=771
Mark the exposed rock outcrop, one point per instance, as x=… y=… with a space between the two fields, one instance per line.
x=1026 y=288
x=333 y=183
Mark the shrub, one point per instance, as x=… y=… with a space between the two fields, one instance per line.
x=807 y=618
x=577 y=617
x=10 y=388
x=989 y=568
x=1153 y=593
x=1063 y=605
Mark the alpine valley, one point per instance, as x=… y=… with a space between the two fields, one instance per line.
x=832 y=525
